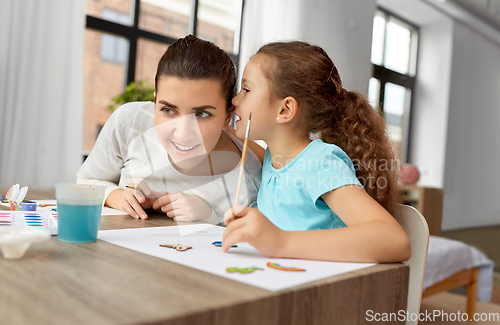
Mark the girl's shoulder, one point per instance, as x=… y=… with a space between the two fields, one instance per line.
x=323 y=148
x=329 y=152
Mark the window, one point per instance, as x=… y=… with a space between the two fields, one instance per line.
x=125 y=39
x=114 y=48
x=394 y=49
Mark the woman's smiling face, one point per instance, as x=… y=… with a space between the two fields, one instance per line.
x=190 y=115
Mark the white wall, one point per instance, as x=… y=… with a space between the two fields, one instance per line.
x=344 y=30
x=472 y=179
x=431 y=102
x=321 y=22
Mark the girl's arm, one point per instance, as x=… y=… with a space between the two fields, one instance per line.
x=371 y=235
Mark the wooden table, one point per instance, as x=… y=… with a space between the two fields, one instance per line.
x=100 y=283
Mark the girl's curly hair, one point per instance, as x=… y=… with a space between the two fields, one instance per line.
x=344 y=118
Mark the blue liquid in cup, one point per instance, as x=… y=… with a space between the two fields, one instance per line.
x=78 y=223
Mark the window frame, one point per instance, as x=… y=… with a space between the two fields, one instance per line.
x=386 y=75
x=132 y=33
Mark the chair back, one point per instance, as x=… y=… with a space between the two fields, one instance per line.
x=416 y=228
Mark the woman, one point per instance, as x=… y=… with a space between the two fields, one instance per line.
x=179 y=154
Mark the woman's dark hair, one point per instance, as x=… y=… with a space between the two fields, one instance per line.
x=344 y=118
x=194 y=58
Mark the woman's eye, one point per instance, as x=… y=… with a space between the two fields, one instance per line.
x=202 y=114
x=167 y=111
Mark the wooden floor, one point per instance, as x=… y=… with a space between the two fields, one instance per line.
x=453 y=303
x=495 y=296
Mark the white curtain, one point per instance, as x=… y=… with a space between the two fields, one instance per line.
x=41 y=91
x=265 y=21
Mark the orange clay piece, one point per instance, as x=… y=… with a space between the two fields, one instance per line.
x=284 y=268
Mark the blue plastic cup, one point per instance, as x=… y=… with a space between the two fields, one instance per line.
x=78 y=212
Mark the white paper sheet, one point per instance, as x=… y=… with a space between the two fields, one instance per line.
x=206 y=257
x=104 y=212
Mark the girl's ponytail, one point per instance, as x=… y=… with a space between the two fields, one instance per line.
x=359 y=130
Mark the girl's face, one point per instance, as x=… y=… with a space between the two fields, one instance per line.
x=189 y=118
x=255 y=97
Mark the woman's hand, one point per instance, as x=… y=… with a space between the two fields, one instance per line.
x=183 y=207
x=249 y=225
x=134 y=201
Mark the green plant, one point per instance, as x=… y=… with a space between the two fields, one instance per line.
x=135 y=91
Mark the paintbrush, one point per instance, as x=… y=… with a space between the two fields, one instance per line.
x=243 y=158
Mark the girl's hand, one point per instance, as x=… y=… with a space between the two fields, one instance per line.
x=183 y=207
x=134 y=201
x=251 y=226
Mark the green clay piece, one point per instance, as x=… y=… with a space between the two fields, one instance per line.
x=242 y=270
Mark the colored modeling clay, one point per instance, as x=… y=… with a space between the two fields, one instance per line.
x=219 y=244
x=283 y=268
x=243 y=270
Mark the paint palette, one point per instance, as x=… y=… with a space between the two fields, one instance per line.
x=42 y=219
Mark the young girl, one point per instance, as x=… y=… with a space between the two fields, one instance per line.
x=177 y=154
x=293 y=91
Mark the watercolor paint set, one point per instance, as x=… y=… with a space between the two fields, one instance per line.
x=29 y=219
